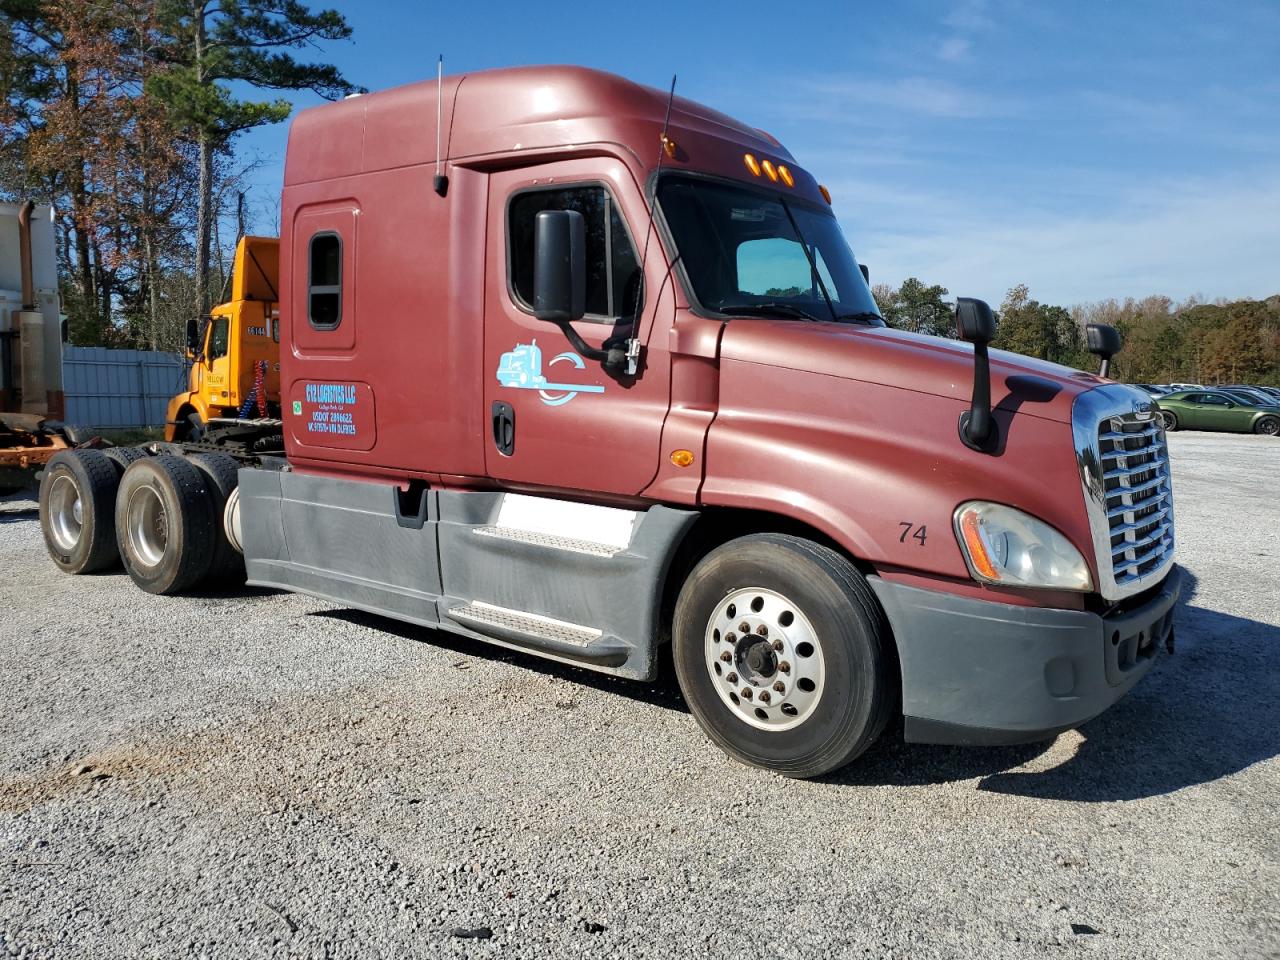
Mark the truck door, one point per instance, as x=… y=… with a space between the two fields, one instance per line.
x=217 y=359
x=559 y=419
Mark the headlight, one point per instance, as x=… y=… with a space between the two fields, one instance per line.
x=1006 y=546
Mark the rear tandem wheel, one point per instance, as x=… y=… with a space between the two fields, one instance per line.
x=165 y=524
x=77 y=515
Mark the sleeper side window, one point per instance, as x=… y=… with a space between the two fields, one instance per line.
x=613 y=269
x=324 y=281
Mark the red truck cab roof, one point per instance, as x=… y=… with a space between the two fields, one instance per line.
x=491 y=115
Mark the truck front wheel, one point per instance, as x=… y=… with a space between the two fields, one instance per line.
x=165 y=524
x=782 y=654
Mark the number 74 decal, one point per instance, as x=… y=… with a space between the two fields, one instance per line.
x=909 y=529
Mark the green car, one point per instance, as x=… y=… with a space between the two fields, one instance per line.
x=1207 y=410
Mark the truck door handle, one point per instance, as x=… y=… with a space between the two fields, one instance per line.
x=504 y=428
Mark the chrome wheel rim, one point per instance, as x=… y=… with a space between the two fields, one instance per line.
x=66 y=513
x=148 y=524
x=764 y=659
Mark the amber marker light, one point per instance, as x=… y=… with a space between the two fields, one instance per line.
x=769 y=170
x=786 y=176
x=682 y=458
x=826 y=194
x=668 y=145
x=972 y=533
x=752 y=164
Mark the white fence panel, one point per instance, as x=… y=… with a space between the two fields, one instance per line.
x=118 y=389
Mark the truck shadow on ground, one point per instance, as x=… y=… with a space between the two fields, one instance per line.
x=1210 y=711
x=663 y=692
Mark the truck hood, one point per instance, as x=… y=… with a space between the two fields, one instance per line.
x=895 y=358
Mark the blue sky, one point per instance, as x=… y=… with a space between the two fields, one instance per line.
x=1087 y=149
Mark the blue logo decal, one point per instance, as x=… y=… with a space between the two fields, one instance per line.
x=522 y=368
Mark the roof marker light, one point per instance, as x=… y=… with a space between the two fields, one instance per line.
x=769 y=170
x=668 y=145
x=826 y=194
x=786 y=176
x=752 y=164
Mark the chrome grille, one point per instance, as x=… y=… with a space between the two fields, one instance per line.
x=1124 y=463
x=1135 y=477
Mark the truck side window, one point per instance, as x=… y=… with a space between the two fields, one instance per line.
x=613 y=270
x=324 y=281
x=219 y=337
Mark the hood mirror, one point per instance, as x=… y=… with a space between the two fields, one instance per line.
x=976 y=323
x=1103 y=340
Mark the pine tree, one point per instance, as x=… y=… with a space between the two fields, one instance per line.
x=211 y=43
x=917 y=307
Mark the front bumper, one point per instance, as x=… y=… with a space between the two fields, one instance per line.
x=980 y=672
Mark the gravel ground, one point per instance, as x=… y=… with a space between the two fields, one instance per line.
x=263 y=775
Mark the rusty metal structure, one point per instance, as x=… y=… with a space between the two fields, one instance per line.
x=31 y=398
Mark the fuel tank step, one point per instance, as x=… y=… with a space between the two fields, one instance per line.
x=550 y=540
x=570 y=640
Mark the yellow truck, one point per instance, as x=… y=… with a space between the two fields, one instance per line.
x=235 y=352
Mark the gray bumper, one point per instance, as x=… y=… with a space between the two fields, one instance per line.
x=979 y=672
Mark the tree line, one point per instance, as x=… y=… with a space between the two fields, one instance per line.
x=122 y=115
x=1164 y=341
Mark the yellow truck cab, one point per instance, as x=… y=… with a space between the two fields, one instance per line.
x=235 y=353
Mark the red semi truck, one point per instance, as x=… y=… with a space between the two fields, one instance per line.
x=601 y=374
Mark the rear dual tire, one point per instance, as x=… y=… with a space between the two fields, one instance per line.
x=223 y=476
x=166 y=524
x=77 y=510
x=123 y=456
x=807 y=685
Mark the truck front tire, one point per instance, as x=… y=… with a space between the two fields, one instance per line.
x=77 y=510
x=782 y=653
x=165 y=524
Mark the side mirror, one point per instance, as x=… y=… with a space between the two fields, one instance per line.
x=559 y=266
x=976 y=323
x=1103 y=340
x=866 y=274
x=193 y=335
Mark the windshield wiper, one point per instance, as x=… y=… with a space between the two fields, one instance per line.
x=862 y=316
x=765 y=309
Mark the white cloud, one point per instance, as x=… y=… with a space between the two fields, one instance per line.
x=970 y=15
x=838 y=97
x=954 y=49
x=1207 y=237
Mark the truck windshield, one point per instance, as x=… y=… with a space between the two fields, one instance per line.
x=756 y=253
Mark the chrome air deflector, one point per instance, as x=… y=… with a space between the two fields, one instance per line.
x=1128 y=491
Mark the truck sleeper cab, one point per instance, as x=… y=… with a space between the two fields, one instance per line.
x=611 y=384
